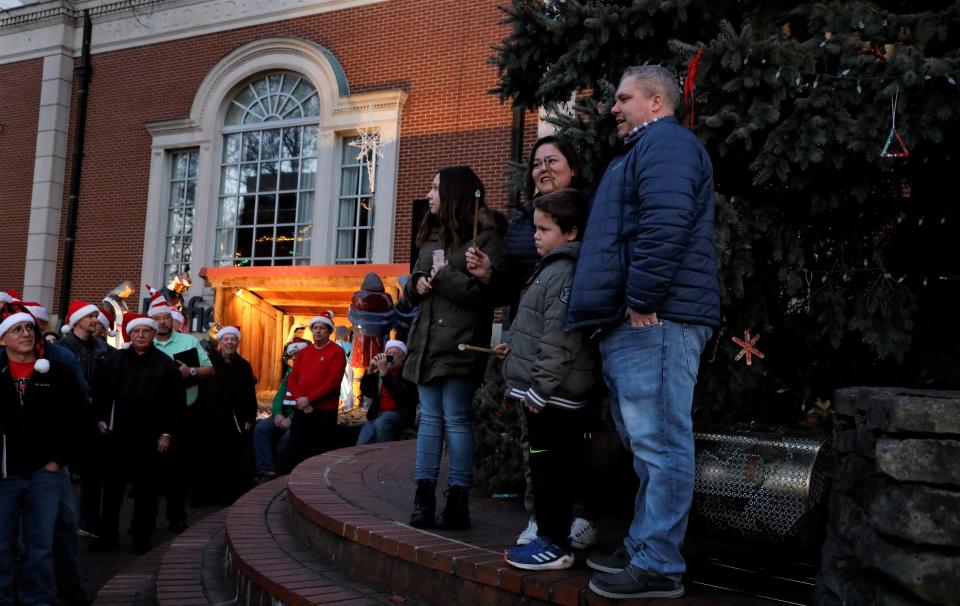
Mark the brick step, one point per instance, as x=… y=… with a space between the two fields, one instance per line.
x=351 y=506
x=268 y=564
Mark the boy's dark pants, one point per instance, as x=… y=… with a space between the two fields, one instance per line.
x=555 y=435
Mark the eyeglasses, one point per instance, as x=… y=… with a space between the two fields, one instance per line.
x=20 y=329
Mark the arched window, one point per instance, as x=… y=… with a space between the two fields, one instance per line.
x=268 y=173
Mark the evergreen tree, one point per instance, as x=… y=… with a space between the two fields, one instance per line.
x=842 y=260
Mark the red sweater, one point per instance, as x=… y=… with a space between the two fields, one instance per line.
x=317 y=375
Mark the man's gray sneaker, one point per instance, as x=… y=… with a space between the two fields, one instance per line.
x=609 y=562
x=635 y=582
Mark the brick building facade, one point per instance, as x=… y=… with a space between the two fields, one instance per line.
x=171 y=80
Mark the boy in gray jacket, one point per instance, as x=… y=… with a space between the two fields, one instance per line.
x=552 y=373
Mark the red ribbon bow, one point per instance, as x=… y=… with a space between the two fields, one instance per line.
x=688 y=86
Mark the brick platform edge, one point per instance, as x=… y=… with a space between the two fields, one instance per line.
x=180 y=579
x=268 y=564
x=420 y=563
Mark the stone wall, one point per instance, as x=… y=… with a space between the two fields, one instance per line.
x=894 y=533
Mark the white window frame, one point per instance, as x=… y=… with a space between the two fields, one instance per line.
x=341 y=113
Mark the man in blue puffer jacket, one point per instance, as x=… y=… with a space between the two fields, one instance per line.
x=647 y=277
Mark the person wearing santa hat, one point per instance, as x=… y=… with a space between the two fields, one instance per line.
x=66 y=539
x=80 y=338
x=230 y=396
x=186 y=462
x=40 y=404
x=314 y=384
x=271 y=436
x=393 y=399
x=139 y=401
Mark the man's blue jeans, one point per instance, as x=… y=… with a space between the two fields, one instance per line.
x=39 y=497
x=651 y=372
x=445 y=408
x=381 y=429
x=269 y=445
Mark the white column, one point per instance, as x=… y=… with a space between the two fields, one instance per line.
x=43 y=235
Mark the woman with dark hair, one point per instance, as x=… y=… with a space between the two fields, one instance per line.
x=553 y=165
x=454 y=308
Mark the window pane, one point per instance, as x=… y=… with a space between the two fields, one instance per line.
x=227 y=217
x=244 y=242
x=347 y=216
x=266 y=210
x=289 y=171
x=187 y=251
x=246 y=97
x=260 y=88
x=174 y=246
x=303 y=90
x=264 y=245
x=248 y=178
x=363 y=244
x=175 y=222
x=180 y=162
x=365 y=181
x=289 y=81
x=283 y=261
x=268 y=176
x=176 y=193
x=192 y=168
x=291 y=142
x=231 y=148
x=251 y=146
x=302 y=244
x=349 y=180
x=224 y=248
x=345 y=241
x=190 y=197
x=311 y=106
x=364 y=220
x=284 y=239
x=309 y=141
x=308 y=174
x=289 y=109
x=229 y=180
x=270 y=146
x=287 y=208
x=246 y=210
x=235 y=114
x=305 y=209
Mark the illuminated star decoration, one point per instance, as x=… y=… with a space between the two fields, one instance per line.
x=368 y=147
x=748 y=349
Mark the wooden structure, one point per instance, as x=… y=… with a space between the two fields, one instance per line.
x=268 y=302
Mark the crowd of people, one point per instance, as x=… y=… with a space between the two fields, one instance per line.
x=617 y=289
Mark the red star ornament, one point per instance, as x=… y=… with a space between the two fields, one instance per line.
x=748 y=349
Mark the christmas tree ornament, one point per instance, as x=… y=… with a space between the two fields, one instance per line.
x=904 y=152
x=747 y=347
x=688 y=85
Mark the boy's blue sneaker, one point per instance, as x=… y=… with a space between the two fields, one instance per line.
x=539 y=554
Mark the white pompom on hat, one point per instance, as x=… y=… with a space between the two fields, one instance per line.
x=228 y=330
x=324 y=318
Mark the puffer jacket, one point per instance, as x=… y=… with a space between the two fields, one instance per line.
x=457 y=310
x=649 y=240
x=548 y=366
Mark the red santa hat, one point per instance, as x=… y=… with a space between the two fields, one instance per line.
x=9 y=296
x=132 y=320
x=158 y=305
x=17 y=314
x=77 y=311
x=36 y=310
x=324 y=318
x=106 y=319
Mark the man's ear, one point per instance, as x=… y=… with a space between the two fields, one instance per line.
x=656 y=104
x=571 y=235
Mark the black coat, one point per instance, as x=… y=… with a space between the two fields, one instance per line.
x=231 y=392
x=403 y=391
x=46 y=427
x=145 y=394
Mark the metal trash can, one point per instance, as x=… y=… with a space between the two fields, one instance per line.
x=767 y=485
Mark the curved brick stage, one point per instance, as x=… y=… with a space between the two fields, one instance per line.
x=344 y=513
